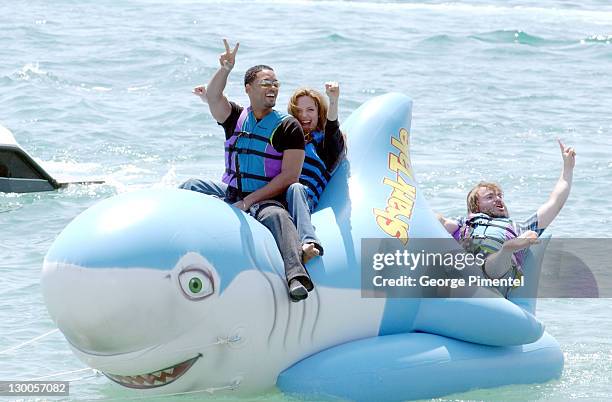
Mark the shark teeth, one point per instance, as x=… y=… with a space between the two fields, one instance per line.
x=154 y=379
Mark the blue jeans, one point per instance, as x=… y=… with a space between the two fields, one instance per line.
x=300 y=206
x=206 y=186
x=272 y=216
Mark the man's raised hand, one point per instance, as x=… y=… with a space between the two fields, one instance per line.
x=228 y=58
x=568 y=154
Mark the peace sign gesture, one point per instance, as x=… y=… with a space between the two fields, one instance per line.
x=568 y=154
x=228 y=58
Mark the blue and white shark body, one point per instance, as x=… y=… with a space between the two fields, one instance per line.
x=119 y=283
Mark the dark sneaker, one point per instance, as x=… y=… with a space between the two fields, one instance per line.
x=297 y=291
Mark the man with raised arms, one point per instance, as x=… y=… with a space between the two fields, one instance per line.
x=264 y=153
x=488 y=228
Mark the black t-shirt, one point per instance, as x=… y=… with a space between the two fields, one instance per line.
x=332 y=146
x=289 y=134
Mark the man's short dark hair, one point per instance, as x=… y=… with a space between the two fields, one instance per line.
x=251 y=73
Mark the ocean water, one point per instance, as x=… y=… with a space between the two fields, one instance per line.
x=103 y=91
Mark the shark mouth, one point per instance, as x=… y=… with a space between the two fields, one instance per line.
x=155 y=379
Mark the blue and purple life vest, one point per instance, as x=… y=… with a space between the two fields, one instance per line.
x=314 y=172
x=251 y=161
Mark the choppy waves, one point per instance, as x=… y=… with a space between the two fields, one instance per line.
x=518 y=37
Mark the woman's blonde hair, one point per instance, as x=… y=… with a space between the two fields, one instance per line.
x=318 y=99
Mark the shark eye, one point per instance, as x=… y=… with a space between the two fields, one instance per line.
x=196 y=283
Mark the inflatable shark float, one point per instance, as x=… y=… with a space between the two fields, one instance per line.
x=170 y=291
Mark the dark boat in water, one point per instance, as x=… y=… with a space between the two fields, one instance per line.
x=20 y=173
